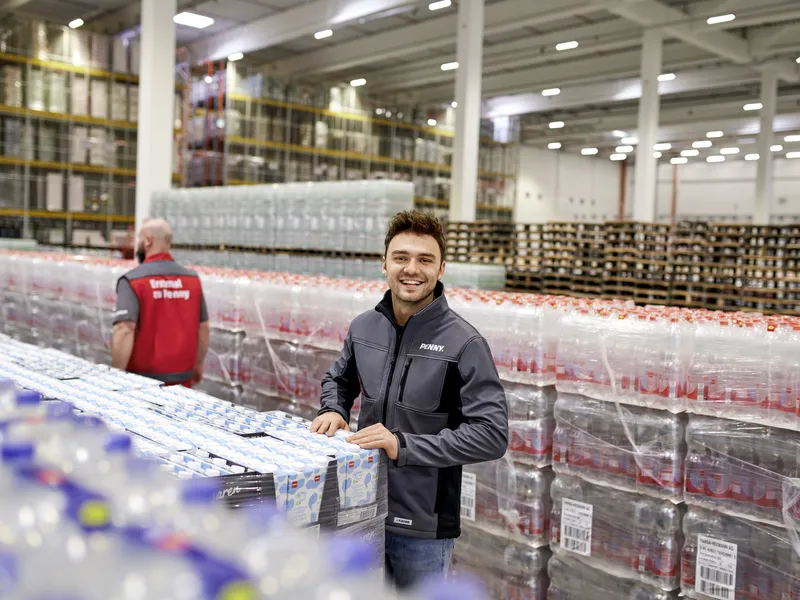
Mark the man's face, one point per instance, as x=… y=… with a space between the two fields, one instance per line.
x=143 y=244
x=412 y=266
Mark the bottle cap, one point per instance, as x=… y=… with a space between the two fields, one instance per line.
x=119 y=442
x=28 y=398
x=15 y=452
x=200 y=491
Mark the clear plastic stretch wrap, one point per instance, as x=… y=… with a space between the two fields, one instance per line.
x=505 y=497
x=572 y=580
x=743 y=470
x=623 y=534
x=726 y=557
x=530 y=423
x=511 y=569
x=624 y=447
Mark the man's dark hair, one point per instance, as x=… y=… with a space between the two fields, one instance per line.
x=416 y=222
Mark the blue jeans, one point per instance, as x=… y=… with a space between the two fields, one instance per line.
x=410 y=560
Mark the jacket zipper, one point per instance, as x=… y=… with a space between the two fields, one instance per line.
x=403 y=378
x=397 y=345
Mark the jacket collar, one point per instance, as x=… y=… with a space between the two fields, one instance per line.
x=159 y=256
x=434 y=310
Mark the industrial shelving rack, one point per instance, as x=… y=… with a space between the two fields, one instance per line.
x=525 y=271
x=559 y=244
x=481 y=242
x=587 y=270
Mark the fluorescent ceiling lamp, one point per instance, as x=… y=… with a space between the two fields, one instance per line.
x=793 y=155
x=554 y=145
x=618 y=133
x=451 y=66
x=690 y=153
x=432 y=122
x=776 y=148
x=74 y=24
x=753 y=106
x=662 y=147
x=556 y=124
x=657 y=155
x=792 y=138
x=702 y=144
x=666 y=77
x=325 y=33
x=208 y=79
x=714 y=134
x=797 y=60
x=358 y=82
x=624 y=149
x=454 y=104
x=193 y=20
x=589 y=151
x=551 y=92
x=379 y=111
x=729 y=151
x=235 y=56
x=751 y=157
x=630 y=141
x=566 y=46
x=440 y=4
x=679 y=160
x=720 y=19
x=619 y=156
x=715 y=159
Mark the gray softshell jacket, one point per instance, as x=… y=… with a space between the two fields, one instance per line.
x=435 y=385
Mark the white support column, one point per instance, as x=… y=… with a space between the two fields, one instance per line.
x=156 y=103
x=764 y=175
x=464 y=182
x=644 y=200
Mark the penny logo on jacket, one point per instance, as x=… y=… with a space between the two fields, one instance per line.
x=431 y=347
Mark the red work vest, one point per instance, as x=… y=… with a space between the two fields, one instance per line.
x=165 y=344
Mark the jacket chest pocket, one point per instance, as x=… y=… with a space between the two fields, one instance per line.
x=422 y=382
x=370 y=363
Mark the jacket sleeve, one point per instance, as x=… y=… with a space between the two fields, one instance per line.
x=340 y=386
x=482 y=436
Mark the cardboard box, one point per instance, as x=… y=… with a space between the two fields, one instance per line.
x=75 y=194
x=98 y=100
x=119 y=55
x=55 y=191
x=80 y=96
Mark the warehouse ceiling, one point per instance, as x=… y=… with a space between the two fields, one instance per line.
x=398 y=46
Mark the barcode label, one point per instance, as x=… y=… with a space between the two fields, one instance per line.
x=716 y=568
x=468 y=486
x=354 y=515
x=576 y=526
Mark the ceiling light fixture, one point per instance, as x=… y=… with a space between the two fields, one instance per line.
x=451 y=66
x=662 y=146
x=618 y=133
x=720 y=19
x=714 y=134
x=208 y=79
x=551 y=92
x=566 y=46
x=729 y=151
x=624 y=149
x=797 y=60
x=657 y=155
x=74 y=24
x=618 y=156
x=715 y=159
x=751 y=157
x=193 y=20
x=679 y=160
x=793 y=155
x=776 y=148
x=690 y=153
x=554 y=146
x=358 y=82
x=702 y=144
x=432 y=122
x=666 y=77
x=556 y=124
x=440 y=4
x=454 y=104
x=325 y=33
x=589 y=151
x=235 y=56
x=753 y=106
x=792 y=138
x=630 y=141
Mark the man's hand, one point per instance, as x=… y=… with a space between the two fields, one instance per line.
x=376 y=436
x=197 y=374
x=329 y=423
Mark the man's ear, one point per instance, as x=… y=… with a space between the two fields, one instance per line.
x=442 y=269
x=383 y=267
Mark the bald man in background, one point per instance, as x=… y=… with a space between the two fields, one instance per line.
x=161 y=327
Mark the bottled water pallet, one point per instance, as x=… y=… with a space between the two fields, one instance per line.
x=354 y=254
x=485 y=242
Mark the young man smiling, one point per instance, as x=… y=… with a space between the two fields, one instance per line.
x=430 y=398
